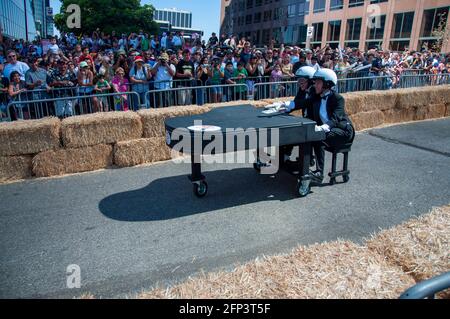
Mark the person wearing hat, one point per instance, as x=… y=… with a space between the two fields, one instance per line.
x=327 y=108
x=140 y=75
x=163 y=73
x=36 y=78
x=63 y=78
x=86 y=87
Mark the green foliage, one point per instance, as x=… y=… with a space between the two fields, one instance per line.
x=122 y=16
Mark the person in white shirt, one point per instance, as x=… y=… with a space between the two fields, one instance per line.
x=15 y=65
x=163 y=73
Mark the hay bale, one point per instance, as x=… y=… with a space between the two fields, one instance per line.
x=435 y=111
x=72 y=160
x=141 y=151
x=100 y=128
x=29 y=137
x=420 y=246
x=439 y=94
x=365 y=120
x=333 y=270
x=153 y=119
x=413 y=98
x=400 y=115
x=15 y=167
x=447 y=110
x=378 y=100
x=353 y=102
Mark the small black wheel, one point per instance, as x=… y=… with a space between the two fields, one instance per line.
x=303 y=188
x=346 y=178
x=200 y=189
x=332 y=181
x=257 y=166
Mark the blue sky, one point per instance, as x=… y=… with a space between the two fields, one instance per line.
x=205 y=14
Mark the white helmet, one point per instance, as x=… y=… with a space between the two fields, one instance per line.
x=328 y=76
x=306 y=72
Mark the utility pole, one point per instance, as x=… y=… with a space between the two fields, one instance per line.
x=26 y=19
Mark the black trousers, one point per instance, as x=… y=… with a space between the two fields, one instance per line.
x=335 y=138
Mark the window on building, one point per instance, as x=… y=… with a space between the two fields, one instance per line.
x=334 y=30
x=258 y=3
x=249 y=4
x=248 y=19
x=257 y=37
x=292 y=10
x=257 y=17
x=276 y=34
x=375 y=28
x=267 y=15
x=302 y=31
x=303 y=7
x=336 y=4
x=398 y=45
x=266 y=36
x=353 y=30
x=377 y=1
x=288 y=37
x=355 y=3
x=402 y=25
x=319 y=6
x=431 y=19
x=318 y=31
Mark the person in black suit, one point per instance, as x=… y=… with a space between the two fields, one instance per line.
x=327 y=109
x=304 y=76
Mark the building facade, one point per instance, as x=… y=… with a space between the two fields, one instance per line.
x=43 y=16
x=17 y=19
x=386 y=24
x=177 y=18
x=174 y=20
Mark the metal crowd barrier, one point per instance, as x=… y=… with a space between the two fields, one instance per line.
x=72 y=105
x=411 y=81
x=272 y=90
x=367 y=83
x=70 y=101
x=198 y=95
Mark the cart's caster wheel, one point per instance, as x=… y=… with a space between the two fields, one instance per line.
x=257 y=166
x=303 y=188
x=346 y=178
x=201 y=189
x=332 y=181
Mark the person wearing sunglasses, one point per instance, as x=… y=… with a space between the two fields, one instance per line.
x=15 y=65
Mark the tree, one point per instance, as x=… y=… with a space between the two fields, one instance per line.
x=441 y=33
x=122 y=16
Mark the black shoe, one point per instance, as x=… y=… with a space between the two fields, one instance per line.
x=317 y=176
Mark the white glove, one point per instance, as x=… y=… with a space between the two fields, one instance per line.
x=324 y=128
x=289 y=106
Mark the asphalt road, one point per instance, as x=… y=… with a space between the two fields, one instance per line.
x=130 y=229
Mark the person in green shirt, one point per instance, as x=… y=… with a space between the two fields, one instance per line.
x=102 y=87
x=241 y=74
x=145 y=43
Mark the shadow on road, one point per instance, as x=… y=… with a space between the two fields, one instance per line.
x=172 y=197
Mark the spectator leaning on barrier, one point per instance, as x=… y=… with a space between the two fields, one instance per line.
x=120 y=85
x=65 y=80
x=15 y=91
x=163 y=73
x=140 y=75
x=185 y=71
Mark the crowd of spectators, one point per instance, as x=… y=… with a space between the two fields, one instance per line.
x=139 y=62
